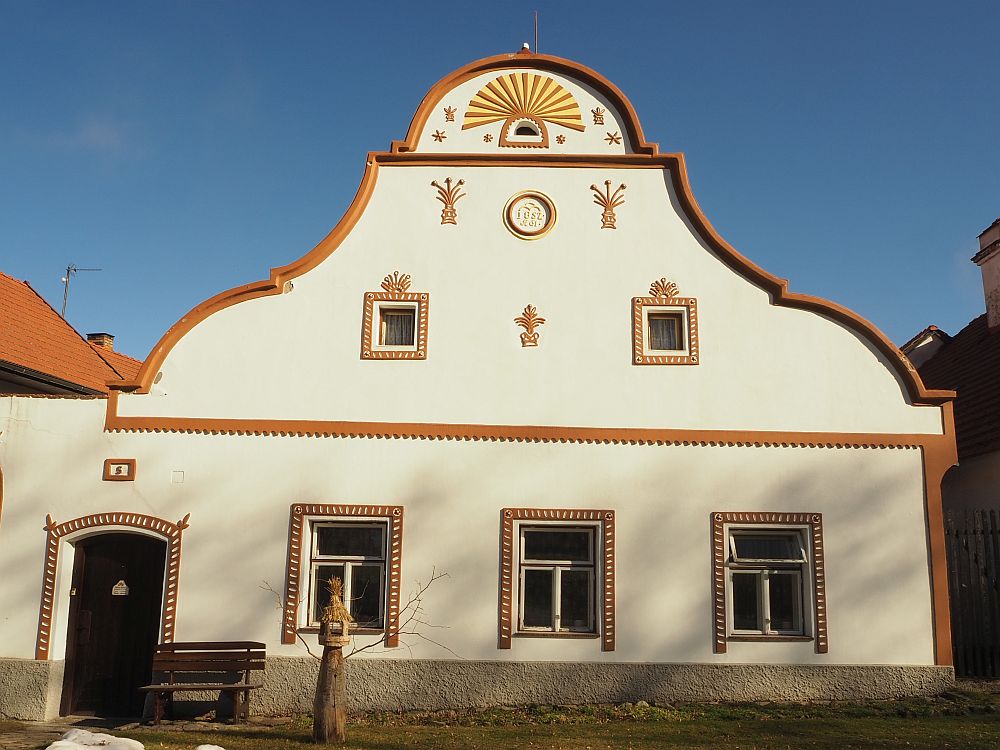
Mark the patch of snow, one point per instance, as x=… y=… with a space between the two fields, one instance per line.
x=81 y=739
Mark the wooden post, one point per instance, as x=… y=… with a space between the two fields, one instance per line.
x=330 y=705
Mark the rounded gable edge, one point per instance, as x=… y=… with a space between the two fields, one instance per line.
x=645 y=153
x=526 y=59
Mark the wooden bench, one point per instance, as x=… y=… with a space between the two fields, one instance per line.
x=213 y=665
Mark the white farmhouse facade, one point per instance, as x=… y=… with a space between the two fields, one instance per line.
x=525 y=359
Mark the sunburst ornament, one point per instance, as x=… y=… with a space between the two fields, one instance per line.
x=524 y=102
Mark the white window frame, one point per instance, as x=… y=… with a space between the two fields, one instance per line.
x=557 y=567
x=377 y=334
x=677 y=311
x=348 y=561
x=764 y=568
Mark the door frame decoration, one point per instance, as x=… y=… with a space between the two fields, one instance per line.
x=56 y=531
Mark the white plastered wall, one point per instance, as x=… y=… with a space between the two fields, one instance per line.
x=297 y=355
x=239 y=489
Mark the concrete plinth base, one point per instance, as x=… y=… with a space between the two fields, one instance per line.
x=30 y=690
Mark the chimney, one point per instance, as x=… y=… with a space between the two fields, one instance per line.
x=103 y=340
x=988 y=260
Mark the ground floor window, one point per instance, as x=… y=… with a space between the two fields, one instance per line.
x=769 y=578
x=556 y=580
x=355 y=553
x=362 y=545
x=557 y=574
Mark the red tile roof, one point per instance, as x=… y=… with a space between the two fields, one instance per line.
x=124 y=365
x=970 y=363
x=33 y=336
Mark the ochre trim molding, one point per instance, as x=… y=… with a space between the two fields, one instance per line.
x=814 y=521
x=56 y=531
x=300 y=512
x=606 y=559
x=519 y=433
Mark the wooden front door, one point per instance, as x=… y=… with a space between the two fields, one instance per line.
x=114 y=623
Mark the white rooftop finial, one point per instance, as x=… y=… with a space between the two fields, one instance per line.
x=526 y=46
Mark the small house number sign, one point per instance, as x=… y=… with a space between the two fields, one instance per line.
x=119 y=589
x=119 y=470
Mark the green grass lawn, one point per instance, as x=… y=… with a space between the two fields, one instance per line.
x=961 y=719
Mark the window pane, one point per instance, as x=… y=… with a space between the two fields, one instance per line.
x=321 y=594
x=664 y=331
x=557 y=545
x=350 y=541
x=772 y=547
x=397 y=327
x=746 y=601
x=537 y=599
x=783 y=596
x=366 y=595
x=575 y=600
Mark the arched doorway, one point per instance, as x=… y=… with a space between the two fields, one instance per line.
x=116 y=603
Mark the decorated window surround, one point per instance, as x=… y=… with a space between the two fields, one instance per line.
x=171 y=532
x=395 y=294
x=298 y=567
x=665 y=300
x=815 y=567
x=603 y=522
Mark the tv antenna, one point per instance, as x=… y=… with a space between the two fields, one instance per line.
x=536 y=32
x=71 y=271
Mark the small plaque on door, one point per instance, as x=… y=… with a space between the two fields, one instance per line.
x=119 y=589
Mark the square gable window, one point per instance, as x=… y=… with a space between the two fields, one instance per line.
x=664 y=327
x=394 y=321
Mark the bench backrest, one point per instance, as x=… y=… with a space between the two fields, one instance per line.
x=209 y=656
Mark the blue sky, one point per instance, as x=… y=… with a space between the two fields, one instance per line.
x=187 y=147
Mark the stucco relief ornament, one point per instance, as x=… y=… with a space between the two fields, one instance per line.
x=663 y=288
x=396 y=283
x=529 y=321
x=439 y=135
x=598 y=116
x=529 y=215
x=449 y=195
x=609 y=201
x=526 y=104
x=449 y=114
x=613 y=138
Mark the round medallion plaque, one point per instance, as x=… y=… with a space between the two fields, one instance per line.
x=529 y=215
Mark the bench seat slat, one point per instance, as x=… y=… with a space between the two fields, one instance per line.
x=209 y=655
x=234 y=665
x=209 y=645
x=180 y=687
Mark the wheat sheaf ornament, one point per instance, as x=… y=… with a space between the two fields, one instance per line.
x=524 y=102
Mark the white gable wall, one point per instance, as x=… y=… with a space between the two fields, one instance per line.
x=763 y=367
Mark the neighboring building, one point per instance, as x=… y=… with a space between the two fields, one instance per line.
x=648 y=469
x=969 y=363
x=40 y=353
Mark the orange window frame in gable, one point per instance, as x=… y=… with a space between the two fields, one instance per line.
x=372 y=334
x=685 y=309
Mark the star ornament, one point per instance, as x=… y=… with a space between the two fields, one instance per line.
x=613 y=138
x=439 y=135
